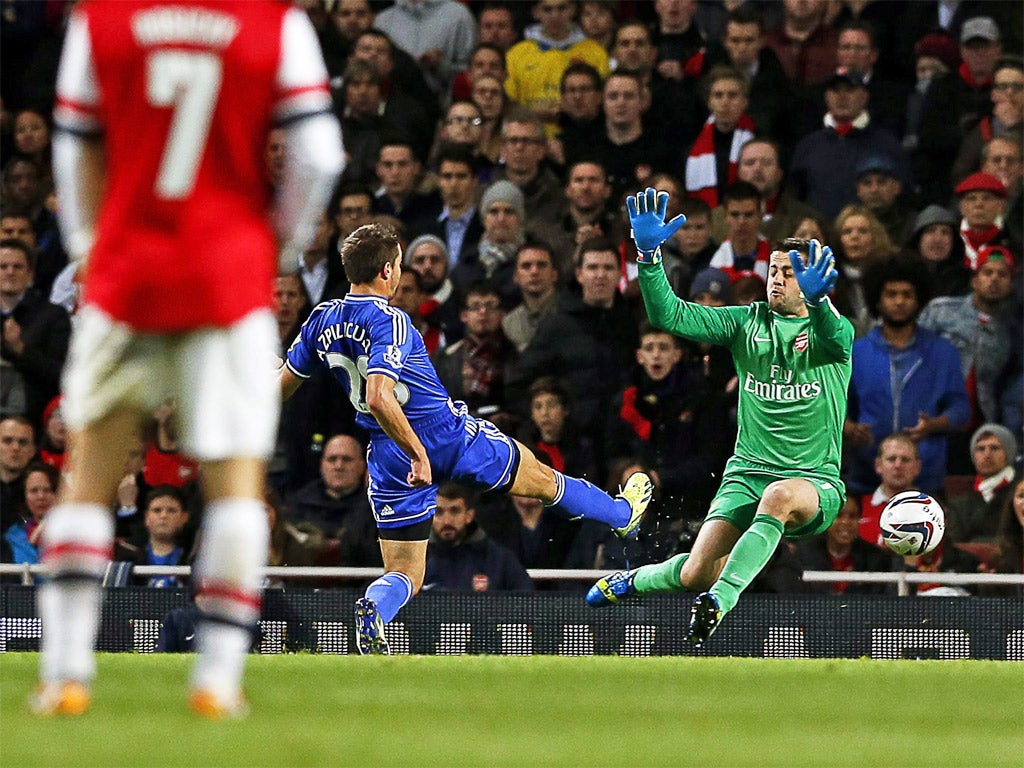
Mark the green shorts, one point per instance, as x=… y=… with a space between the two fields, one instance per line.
x=743 y=484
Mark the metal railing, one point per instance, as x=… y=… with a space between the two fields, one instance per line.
x=902 y=579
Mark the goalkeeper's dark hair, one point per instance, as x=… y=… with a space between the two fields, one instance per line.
x=452 y=490
x=902 y=268
x=797 y=244
x=365 y=252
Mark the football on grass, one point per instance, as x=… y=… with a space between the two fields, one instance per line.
x=912 y=523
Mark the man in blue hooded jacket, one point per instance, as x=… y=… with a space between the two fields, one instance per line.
x=905 y=379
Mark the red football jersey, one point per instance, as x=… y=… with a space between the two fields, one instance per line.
x=184 y=95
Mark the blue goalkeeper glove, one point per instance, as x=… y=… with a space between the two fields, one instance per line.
x=647 y=212
x=819 y=276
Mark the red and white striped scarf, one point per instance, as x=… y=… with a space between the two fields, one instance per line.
x=701 y=173
x=725 y=260
x=976 y=239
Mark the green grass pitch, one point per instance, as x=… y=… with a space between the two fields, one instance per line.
x=535 y=711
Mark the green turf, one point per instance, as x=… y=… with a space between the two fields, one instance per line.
x=535 y=711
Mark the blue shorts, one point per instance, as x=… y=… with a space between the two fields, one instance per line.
x=463 y=449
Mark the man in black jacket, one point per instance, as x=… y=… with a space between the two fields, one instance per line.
x=460 y=555
x=589 y=342
x=35 y=336
x=337 y=504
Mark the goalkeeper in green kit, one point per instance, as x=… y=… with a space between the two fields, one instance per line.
x=792 y=357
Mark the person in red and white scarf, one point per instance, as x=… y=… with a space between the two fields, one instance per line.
x=982 y=199
x=712 y=162
x=745 y=251
x=974 y=516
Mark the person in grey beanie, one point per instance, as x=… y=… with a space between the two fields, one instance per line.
x=502 y=212
x=974 y=516
x=936 y=239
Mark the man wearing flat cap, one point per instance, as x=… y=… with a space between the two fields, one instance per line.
x=980 y=49
x=982 y=199
x=824 y=171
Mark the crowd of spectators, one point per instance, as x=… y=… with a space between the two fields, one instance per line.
x=499 y=139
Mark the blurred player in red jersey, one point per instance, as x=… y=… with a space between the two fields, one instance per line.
x=162 y=118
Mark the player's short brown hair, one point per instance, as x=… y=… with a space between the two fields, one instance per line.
x=803 y=247
x=365 y=252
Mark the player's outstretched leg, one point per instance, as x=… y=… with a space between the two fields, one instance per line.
x=582 y=499
x=637 y=493
x=751 y=553
x=645 y=580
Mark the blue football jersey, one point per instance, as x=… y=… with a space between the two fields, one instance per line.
x=362 y=334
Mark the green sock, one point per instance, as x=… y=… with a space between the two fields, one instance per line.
x=753 y=550
x=660 y=577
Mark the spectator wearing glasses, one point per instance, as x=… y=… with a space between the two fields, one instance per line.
x=473 y=368
x=1005 y=120
x=523 y=148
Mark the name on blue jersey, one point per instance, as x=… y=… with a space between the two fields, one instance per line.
x=346 y=330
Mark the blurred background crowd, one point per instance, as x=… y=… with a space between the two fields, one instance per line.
x=500 y=139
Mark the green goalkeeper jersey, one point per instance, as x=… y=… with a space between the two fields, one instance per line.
x=793 y=374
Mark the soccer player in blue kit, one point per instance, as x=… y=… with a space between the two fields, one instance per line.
x=419 y=437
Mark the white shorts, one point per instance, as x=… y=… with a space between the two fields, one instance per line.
x=222 y=378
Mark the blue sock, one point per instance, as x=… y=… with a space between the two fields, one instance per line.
x=390 y=592
x=579 y=498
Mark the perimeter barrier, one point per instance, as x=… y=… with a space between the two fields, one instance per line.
x=319 y=620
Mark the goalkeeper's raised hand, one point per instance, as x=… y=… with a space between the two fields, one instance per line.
x=647 y=212
x=819 y=276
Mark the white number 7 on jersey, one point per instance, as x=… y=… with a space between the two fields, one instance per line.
x=190 y=83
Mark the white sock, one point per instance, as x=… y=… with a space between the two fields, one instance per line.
x=77 y=541
x=232 y=553
x=219 y=667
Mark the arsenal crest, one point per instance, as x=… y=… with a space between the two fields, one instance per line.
x=800 y=342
